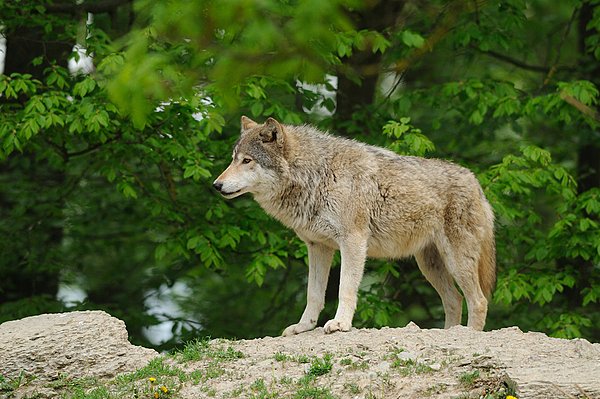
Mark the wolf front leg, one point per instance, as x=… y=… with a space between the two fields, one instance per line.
x=353 y=251
x=319 y=263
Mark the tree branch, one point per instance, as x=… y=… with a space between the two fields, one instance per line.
x=560 y=45
x=581 y=107
x=521 y=64
x=446 y=21
x=92 y=147
x=99 y=6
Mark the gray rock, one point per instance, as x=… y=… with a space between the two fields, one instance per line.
x=77 y=344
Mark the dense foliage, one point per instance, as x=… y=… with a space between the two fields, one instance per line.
x=105 y=178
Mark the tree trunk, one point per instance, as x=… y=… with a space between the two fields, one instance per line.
x=357 y=89
x=588 y=162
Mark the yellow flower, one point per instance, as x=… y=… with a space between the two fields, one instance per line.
x=164 y=389
x=155 y=395
x=152 y=380
x=511 y=397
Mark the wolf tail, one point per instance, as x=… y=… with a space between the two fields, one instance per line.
x=487 y=259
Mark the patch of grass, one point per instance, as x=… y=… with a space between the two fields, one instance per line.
x=12 y=384
x=302 y=359
x=260 y=391
x=236 y=392
x=195 y=376
x=353 y=388
x=468 y=378
x=285 y=380
x=320 y=366
x=356 y=365
x=394 y=352
x=200 y=349
x=213 y=370
x=282 y=357
x=307 y=390
x=96 y=393
x=435 y=389
x=410 y=366
x=406 y=366
x=80 y=388
x=156 y=368
x=346 y=361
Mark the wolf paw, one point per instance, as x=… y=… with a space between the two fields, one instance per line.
x=297 y=329
x=336 y=325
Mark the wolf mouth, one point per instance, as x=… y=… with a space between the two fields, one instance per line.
x=227 y=194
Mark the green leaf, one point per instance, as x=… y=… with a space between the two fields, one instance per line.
x=412 y=39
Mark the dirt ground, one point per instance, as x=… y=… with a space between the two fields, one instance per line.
x=385 y=364
x=404 y=362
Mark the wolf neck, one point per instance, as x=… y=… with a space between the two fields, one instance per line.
x=296 y=197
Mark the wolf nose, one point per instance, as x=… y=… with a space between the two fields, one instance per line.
x=218 y=185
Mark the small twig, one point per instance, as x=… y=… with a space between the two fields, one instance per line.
x=585 y=395
x=582 y=392
x=90 y=6
x=553 y=68
x=584 y=109
x=165 y=171
x=520 y=64
x=92 y=147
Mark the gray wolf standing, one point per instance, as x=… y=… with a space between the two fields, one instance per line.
x=368 y=201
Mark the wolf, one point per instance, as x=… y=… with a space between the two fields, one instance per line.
x=367 y=201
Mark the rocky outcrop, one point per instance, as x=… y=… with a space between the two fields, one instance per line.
x=76 y=344
x=407 y=362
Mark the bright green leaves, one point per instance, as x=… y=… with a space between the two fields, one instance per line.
x=408 y=140
x=511 y=184
x=512 y=286
x=583 y=91
x=261 y=263
x=566 y=325
x=206 y=45
x=497 y=24
x=17 y=84
x=571 y=234
x=375 y=309
x=58 y=78
x=33 y=111
x=349 y=41
x=83 y=87
x=126 y=188
x=379 y=43
x=592 y=41
x=196 y=169
x=478 y=98
x=202 y=246
x=412 y=39
x=269 y=96
x=591 y=295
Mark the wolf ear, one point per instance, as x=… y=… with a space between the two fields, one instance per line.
x=273 y=132
x=247 y=123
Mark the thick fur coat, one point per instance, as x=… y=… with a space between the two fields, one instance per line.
x=366 y=201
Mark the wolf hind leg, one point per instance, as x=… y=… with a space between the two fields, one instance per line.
x=319 y=264
x=433 y=268
x=461 y=256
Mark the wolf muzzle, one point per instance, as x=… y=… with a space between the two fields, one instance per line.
x=219 y=187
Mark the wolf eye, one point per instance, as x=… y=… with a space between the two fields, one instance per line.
x=246 y=160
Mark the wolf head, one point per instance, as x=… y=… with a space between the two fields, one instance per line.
x=258 y=160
